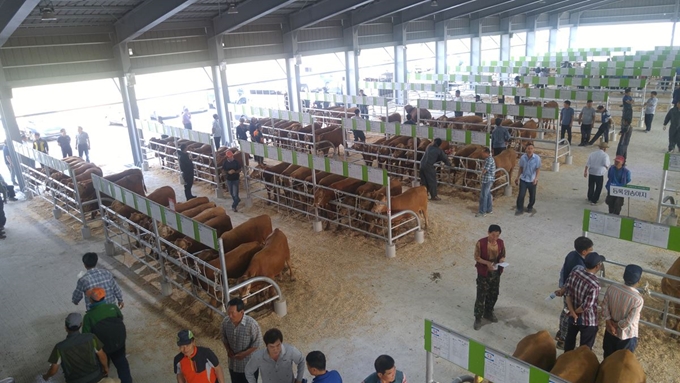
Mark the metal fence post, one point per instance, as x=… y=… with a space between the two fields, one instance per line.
x=85 y=231
x=225 y=281
x=218 y=184
x=390 y=249
x=429 y=367
x=109 y=248
x=166 y=287
x=249 y=200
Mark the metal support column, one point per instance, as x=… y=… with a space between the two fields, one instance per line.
x=220 y=105
x=505 y=47
x=220 y=87
x=440 y=51
x=293 y=62
x=531 y=36
x=352 y=60
x=573 y=32
x=675 y=21
x=127 y=90
x=9 y=122
x=475 y=51
x=554 y=22
x=400 y=71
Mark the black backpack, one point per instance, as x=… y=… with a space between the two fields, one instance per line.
x=111 y=331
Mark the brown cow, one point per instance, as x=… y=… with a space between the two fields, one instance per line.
x=194 y=211
x=268 y=173
x=413 y=112
x=208 y=214
x=671 y=287
x=161 y=196
x=190 y=204
x=333 y=139
x=414 y=199
x=550 y=123
x=577 y=366
x=270 y=261
x=527 y=135
x=621 y=367
x=323 y=196
x=394 y=117
x=506 y=160
x=221 y=224
x=256 y=229
x=538 y=350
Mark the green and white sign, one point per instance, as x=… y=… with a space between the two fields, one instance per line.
x=578 y=81
x=631 y=191
x=344 y=99
x=648 y=57
x=308 y=160
x=479 y=107
x=592 y=51
x=635 y=64
x=671 y=162
x=490 y=69
x=480 y=359
x=632 y=229
x=304 y=118
x=556 y=94
x=43 y=158
x=404 y=86
x=656 y=72
x=451 y=77
x=173 y=131
x=185 y=225
x=430 y=132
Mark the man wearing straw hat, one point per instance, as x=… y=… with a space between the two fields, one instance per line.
x=596 y=168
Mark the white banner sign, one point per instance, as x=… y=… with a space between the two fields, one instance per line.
x=631 y=191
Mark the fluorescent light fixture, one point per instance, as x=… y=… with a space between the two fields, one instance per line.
x=434 y=3
x=47 y=14
x=232 y=9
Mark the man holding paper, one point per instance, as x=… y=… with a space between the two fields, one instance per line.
x=490 y=256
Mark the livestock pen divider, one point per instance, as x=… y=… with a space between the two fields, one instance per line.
x=122 y=233
x=646 y=233
x=477 y=358
x=332 y=166
x=203 y=171
x=668 y=195
x=68 y=196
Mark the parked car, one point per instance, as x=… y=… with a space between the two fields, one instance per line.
x=115 y=117
x=47 y=129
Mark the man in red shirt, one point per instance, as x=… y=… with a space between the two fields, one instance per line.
x=196 y=364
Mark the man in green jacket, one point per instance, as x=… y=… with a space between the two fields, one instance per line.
x=673 y=117
x=106 y=322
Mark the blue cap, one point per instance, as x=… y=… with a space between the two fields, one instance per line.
x=632 y=274
x=593 y=259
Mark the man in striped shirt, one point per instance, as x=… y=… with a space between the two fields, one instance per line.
x=583 y=290
x=621 y=308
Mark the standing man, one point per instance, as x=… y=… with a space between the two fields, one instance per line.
x=95 y=277
x=8 y=161
x=582 y=247
x=316 y=365
x=186 y=119
x=488 y=177
x=3 y=218
x=596 y=167
x=106 y=322
x=363 y=108
x=257 y=137
x=252 y=127
x=499 y=137
x=501 y=96
x=64 y=142
x=650 y=109
x=566 y=119
x=605 y=120
x=428 y=175
x=527 y=179
x=457 y=98
x=358 y=134
x=621 y=308
x=676 y=94
x=217 y=131
x=583 y=290
x=627 y=106
x=625 y=133
x=586 y=118
x=242 y=130
x=618 y=175
x=489 y=252
x=80 y=355
x=241 y=337
x=275 y=362
x=409 y=120
x=673 y=116
x=186 y=166
x=196 y=364
x=232 y=169
x=40 y=144
x=83 y=144
x=385 y=372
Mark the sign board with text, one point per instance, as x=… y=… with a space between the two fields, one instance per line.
x=430 y=132
x=642 y=193
x=632 y=229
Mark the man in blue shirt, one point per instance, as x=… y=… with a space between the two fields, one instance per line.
x=527 y=179
x=618 y=175
x=566 y=119
x=627 y=106
x=499 y=137
x=603 y=130
x=316 y=365
x=582 y=247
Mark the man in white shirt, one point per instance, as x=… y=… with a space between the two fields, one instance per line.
x=595 y=170
x=650 y=109
x=457 y=98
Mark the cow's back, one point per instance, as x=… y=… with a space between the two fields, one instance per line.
x=190 y=204
x=577 y=366
x=669 y=286
x=162 y=195
x=413 y=199
x=256 y=229
x=271 y=260
x=238 y=260
x=621 y=367
x=538 y=350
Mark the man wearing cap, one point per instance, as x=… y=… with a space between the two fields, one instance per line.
x=196 y=364
x=241 y=336
x=621 y=308
x=605 y=123
x=499 y=137
x=80 y=355
x=95 y=277
x=106 y=322
x=232 y=169
x=617 y=175
x=596 y=167
x=582 y=291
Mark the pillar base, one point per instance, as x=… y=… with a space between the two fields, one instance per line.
x=317 y=226
x=166 y=289
x=541 y=135
x=56 y=213
x=280 y=308
x=420 y=236
x=249 y=202
x=415 y=183
x=390 y=251
x=569 y=159
x=85 y=231
x=28 y=194
x=219 y=193
x=145 y=166
x=556 y=166
x=508 y=190
x=109 y=249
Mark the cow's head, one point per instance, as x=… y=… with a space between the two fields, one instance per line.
x=322 y=197
x=381 y=206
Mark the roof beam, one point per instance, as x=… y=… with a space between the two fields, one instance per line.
x=426 y=10
x=248 y=12
x=146 y=16
x=534 y=8
x=381 y=9
x=321 y=11
x=558 y=6
x=588 y=5
x=502 y=8
x=12 y=14
x=467 y=9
